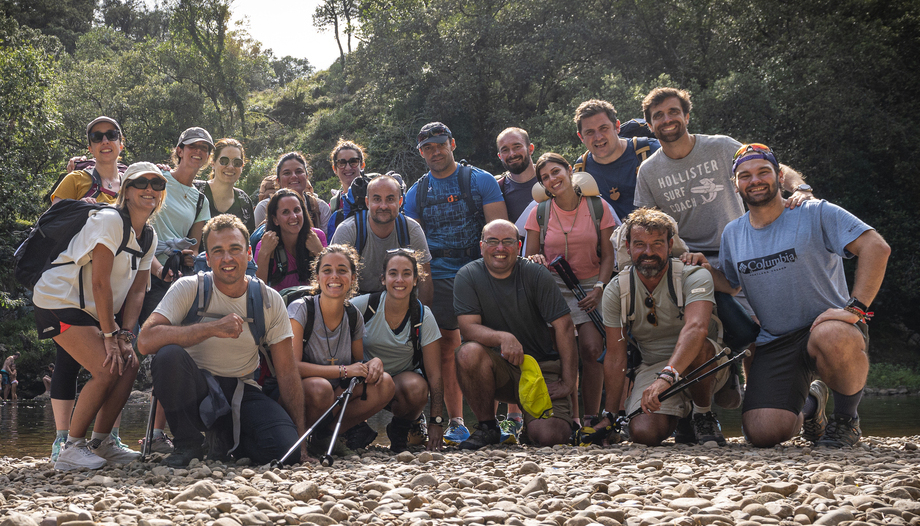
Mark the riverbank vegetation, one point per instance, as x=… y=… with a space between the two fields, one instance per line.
x=829 y=85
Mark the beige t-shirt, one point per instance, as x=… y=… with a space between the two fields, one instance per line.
x=229 y=357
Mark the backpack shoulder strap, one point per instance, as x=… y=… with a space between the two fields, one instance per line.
x=580 y=165
x=676 y=285
x=311 y=318
x=464 y=177
x=415 y=335
x=627 y=295
x=352 y=312
x=421 y=198
x=202 y=299
x=198 y=206
x=596 y=209
x=360 y=230
x=255 y=309
x=95 y=187
x=642 y=148
x=373 y=301
x=402 y=230
x=500 y=179
x=543 y=210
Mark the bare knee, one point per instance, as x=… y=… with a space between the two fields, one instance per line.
x=411 y=391
x=549 y=432
x=470 y=355
x=651 y=430
x=769 y=427
x=317 y=391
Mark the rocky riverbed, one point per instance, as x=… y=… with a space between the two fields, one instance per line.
x=877 y=482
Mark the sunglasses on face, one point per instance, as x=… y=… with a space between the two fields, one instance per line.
x=353 y=162
x=433 y=132
x=652 y=315
x=111 y=135
x=141 y=183
x=224 y=161
x=755 y=147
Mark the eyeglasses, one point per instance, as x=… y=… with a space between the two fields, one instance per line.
x=507 y=242
x=353 y=162
x=753 y=147
x=224 y=161
x=111 y=135
x=141 y=183
x=436 y=131
x=652 y=315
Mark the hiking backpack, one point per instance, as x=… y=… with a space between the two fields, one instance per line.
x=415 y=322
x=350 y=203
x=636 y=128
x=54 y=231
x=464 y=177
x=595 y=208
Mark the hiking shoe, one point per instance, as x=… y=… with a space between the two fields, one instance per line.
x=684 y=434
x=842 y=431
x=398 y=433
x=418 y=431
x=482 y=437
x=182 y=455
x=56 y=447
x=455 y=433
x=160 y=444
x=77 y=455
x=320 y=444
x=109 y=449
x=596 y=434
x=510 y=431
x=813 y=428
x=707 y=429
x=360 y=436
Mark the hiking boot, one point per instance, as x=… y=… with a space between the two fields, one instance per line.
x=109 y=450
x=455 y=433
x=56 y=447
x=842 y=431
x=360 y=436
x=482 y=437
x=813 y=428
x=218 y=442
x=320 y=444
x=510 y=431
x=121 y=445
x=684 y=434
x=77 y=455
x=160 y=444
x=707 y=429
x=418 y=431
x=182 y=455
x=595 y=434
x=398 y=433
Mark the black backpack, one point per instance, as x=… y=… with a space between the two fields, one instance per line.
x=349 y=203
x=52 y=234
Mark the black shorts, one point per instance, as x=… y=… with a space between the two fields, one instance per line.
x=53 y=322
x=782 y=371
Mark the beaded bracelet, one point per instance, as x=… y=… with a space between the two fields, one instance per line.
x=861 y=314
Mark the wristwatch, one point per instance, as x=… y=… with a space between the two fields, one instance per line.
x=804 y=188
x=856 y=303
x=599 y=285
x=110 y=334
x=438 y=421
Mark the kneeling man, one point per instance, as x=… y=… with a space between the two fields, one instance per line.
x=789 y=262
x=672 y=341
x=503 y=305
x=203 y=371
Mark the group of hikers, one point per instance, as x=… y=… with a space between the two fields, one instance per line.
x=628 y=285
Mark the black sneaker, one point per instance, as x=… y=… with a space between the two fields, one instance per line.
x=707 y=429
x=813 y=428
x=842 y=431
x=684 y=433
x=182 y=455
x=398 y=433
x=482 y=437
x=360 y=436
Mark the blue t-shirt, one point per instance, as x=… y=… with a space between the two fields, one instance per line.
x=449 y=225
x=617 y=180
x=792 y=269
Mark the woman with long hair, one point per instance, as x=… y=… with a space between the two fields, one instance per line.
x=89 y=302
x=334 y=352
x=571 y=233
x=285 y=254
x=391 y=336
x=227 y=163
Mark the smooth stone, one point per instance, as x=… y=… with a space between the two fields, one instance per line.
x=201 y=488
x=537 y=484
x=783 y=488
x=529 y=467
x=685 y=503
x=317 y=518
x=779 y=509
x=835 y=517
x=18 y=519
x=305 y=491
x=756 y=509
x=225 y=521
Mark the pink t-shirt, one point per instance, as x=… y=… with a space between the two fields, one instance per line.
x=581 y=238
x=291 y=279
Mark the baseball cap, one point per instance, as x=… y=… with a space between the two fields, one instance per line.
x=532 y=389
x=434 y=132
x=195 y=134
x=103 y=118
x=138 y=169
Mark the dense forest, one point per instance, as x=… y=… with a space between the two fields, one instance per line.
x=829 y=84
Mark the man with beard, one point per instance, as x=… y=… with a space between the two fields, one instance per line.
x=819 y=329
x=671 y=343
x=515 y=151
x=611 y=160
x=384 y=197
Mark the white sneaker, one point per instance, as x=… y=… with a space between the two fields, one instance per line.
x=109 y=450
x=76 y=455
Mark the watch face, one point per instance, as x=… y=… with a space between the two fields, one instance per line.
x=438 y=420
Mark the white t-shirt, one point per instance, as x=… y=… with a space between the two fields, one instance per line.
x=229 y=357
x=59 y=287
x=394 y=350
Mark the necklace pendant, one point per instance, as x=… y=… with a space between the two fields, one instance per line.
x=333 y=360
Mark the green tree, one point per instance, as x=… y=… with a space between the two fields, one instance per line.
x=64 y=19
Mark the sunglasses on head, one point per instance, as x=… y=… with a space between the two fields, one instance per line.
x=141 y=183
x=401 y=251
x=353 y=162
x=433 y=132
x=224 y=161
x=754 y=147
x=111 y=135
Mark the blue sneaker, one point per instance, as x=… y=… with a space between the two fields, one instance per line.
x=511 y=431
x=456 y=433
x=56 y=447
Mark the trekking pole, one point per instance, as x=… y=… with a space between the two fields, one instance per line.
x=319 y=421
x=148 y=436
x=571 y=281
x=345 y=396
x=680 y=386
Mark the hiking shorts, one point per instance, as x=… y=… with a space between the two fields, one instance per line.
x=782 y=371
x=442 y=305
x=507 y=377
x=53 y=322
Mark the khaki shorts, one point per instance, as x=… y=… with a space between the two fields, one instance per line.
x=678 y=405
x=507 y=377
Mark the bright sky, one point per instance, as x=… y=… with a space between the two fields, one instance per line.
x=286 y=27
